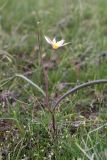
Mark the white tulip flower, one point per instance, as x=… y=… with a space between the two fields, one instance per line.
x=56 y=44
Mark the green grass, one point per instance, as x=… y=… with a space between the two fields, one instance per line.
x=25 y=125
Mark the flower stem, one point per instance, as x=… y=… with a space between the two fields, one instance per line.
x=45 y=74
x=54 y=128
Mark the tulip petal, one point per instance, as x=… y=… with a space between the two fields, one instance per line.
x=54 y=40
x=48 y=39
x=60 y=43
x=65 y=44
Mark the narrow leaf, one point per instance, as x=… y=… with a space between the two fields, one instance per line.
x=32 y=83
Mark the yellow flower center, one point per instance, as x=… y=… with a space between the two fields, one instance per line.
x=55 y=46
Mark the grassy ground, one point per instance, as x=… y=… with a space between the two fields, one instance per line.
x=25 y=124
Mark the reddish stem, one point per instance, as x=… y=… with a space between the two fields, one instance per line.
x=45 y=73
